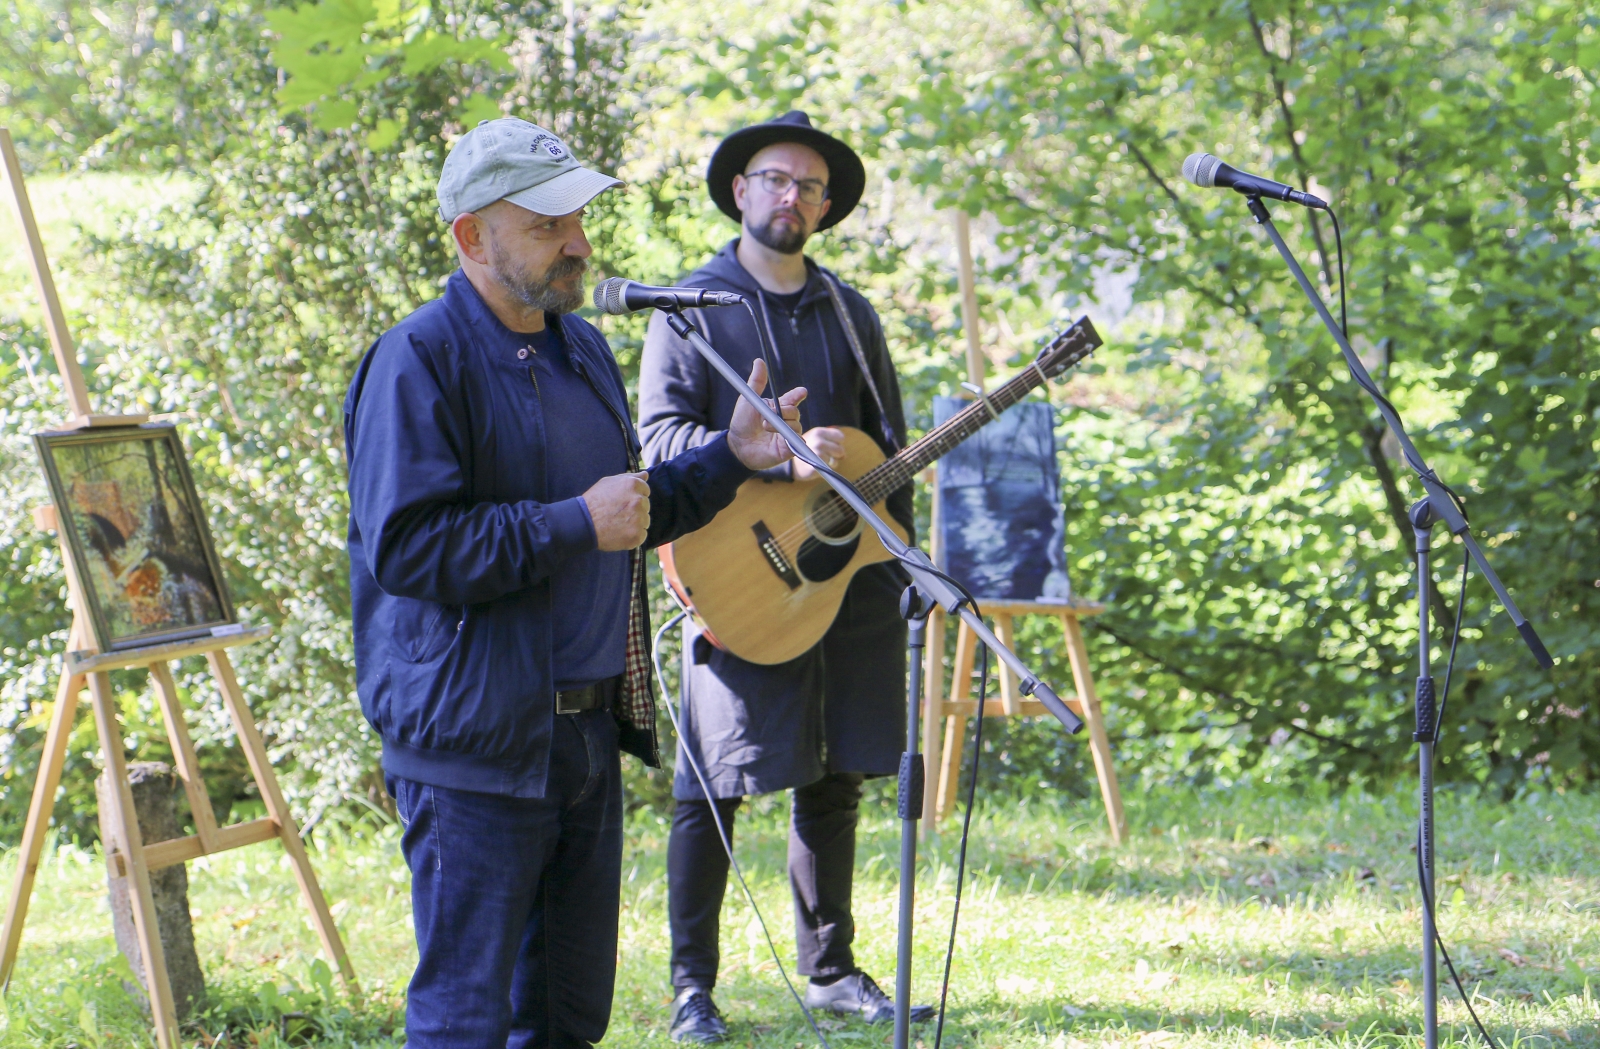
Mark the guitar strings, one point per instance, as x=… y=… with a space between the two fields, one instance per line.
x=834 y=511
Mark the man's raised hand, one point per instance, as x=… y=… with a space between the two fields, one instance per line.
x=756 y=444
x=619 y=507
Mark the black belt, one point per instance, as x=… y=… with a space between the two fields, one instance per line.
x=599 y=696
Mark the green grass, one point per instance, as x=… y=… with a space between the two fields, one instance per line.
x=1231 y=920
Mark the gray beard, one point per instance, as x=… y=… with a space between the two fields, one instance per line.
x=786 y=243
x=538 y=293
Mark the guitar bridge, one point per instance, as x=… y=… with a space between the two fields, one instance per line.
x=774 y=554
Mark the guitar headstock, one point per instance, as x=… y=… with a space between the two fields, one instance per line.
x=1068 y=348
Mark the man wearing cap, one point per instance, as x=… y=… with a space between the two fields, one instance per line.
x=823 y=722
x=497 y=520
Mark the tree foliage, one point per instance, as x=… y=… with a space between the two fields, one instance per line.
x=1230 y=493
x=129 y=83
x=1233 y=496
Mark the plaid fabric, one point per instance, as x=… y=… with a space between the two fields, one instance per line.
x=638 y=706
x=637 y=709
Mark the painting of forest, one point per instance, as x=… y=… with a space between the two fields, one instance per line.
x=1001 y=528
x=140 y=545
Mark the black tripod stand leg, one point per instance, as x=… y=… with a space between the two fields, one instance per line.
x=915 y=610
x=1422 y=522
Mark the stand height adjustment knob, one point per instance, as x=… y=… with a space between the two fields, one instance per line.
x=1427 y=714
x=911 y=785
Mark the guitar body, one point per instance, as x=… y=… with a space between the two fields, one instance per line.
x=765 y=579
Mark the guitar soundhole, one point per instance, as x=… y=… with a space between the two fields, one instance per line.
x=830 y=520
x=837 y=521
x=820 y=562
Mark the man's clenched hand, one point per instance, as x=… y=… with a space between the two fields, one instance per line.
x=827 y=442
x=756 y=444
x=619 y=506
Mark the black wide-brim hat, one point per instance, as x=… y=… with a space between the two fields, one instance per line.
x=847 y=177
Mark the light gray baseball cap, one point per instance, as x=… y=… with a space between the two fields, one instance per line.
x=511 y=159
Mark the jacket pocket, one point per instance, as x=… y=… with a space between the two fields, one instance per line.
x=425 y=630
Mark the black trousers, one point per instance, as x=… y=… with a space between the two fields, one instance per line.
x=822 y=859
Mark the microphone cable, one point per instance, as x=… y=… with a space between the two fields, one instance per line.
x=761 y=341
x=966 y=829
x=1455 y=639
x=966 y=598
x=1422 y=876
x=716 y=817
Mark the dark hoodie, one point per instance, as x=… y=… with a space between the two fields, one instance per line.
x=841 y=706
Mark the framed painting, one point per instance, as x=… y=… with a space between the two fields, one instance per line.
x=1001 y=529
x=141 y=551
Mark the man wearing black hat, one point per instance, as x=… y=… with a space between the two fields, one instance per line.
x=823 y=722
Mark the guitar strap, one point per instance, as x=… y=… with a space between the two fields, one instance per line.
x=851 y=336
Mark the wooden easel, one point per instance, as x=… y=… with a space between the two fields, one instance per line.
x=84 y=665
x=944 y=720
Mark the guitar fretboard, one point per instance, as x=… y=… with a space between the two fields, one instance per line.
x=889 y=475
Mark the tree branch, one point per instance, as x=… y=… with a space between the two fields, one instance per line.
x=1294 y=146
x=1188 y=677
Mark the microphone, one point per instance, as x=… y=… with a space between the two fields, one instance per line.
x=620 y=295
x=1205 y=170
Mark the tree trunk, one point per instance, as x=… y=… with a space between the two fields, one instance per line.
x=154 y=789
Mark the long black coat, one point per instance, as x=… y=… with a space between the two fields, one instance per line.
x=841 y=706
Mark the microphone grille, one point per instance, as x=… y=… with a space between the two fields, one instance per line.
x=608 y=295
x=1201 y=169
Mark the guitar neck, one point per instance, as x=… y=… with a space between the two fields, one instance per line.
x=889 y=475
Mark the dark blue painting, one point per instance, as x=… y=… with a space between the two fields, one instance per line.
x=1001 y=527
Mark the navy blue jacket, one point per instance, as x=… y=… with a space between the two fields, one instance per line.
x=452 y=541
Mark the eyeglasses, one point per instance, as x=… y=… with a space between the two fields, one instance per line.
x=812 y=190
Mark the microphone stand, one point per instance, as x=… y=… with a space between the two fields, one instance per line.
x=1436 y=506
x=929 y=587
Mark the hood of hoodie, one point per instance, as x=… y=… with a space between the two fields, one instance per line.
x=724 y=272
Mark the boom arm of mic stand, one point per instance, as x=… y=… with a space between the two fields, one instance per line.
x=923 y=572
x=1443 y=506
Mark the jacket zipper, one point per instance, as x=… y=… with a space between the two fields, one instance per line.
x=640 y=594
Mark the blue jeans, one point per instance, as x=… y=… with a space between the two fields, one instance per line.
x=515 y=901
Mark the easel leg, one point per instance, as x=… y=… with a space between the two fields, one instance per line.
x=205 y=820
x=244 y=724
x=1010 y=701
x=33 y=833
x=1099 y=742
x=955 y=726
x=159 y=989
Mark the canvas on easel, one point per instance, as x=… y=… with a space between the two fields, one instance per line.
x=137 y=534
x=1002 y=529
x=146 y=589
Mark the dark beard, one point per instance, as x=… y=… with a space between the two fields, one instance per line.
x=538 y=293
x=786 y=243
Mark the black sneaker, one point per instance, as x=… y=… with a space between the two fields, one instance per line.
x=695 y=1018
x=857 y=993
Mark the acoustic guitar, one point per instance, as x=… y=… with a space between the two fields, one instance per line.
x=765 y=579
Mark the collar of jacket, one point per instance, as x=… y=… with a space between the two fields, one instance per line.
x=499 y=343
